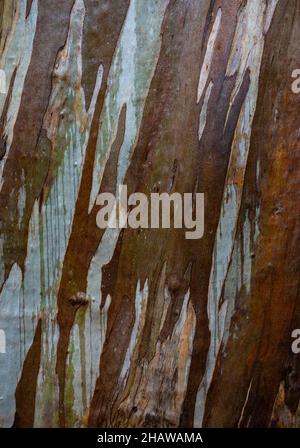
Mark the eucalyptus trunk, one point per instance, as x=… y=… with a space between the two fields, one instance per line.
x=145 y=328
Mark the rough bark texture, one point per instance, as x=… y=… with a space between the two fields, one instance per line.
x=144 y=328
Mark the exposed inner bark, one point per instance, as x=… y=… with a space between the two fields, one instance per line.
x=143 y=327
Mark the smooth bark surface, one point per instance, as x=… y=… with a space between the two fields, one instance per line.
x=144 y=328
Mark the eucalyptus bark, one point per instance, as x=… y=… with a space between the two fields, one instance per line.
x=144 y=328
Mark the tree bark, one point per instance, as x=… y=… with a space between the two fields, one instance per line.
x=145 y=328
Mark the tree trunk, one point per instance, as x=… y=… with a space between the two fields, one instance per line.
x=145 y=328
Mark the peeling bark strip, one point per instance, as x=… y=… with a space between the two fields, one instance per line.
x=144 y=328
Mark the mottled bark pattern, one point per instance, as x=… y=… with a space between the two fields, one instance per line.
x=144 y=328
